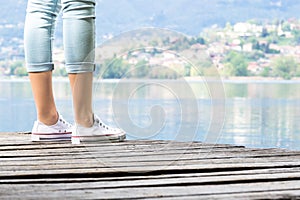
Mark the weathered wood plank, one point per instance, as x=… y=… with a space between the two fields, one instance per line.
x=154 y=177
x=273 y=195
x=102 y=171
x=90 y=162
x=127 y=147
x=179 y=181
x=144 y=170
x=38 y=191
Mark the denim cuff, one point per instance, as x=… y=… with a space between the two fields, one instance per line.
x=76 y=68
x=41 y=67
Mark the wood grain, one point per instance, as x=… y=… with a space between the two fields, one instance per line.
x=144 y=170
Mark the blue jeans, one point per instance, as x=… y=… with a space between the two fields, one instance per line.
x=78 y=31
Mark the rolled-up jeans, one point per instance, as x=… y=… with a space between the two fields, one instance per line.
x=78 y=34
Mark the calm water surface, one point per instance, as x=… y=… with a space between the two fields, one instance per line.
x=256 y=114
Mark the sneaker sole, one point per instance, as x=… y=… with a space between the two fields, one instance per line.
x=102 y=138
x=47 y=137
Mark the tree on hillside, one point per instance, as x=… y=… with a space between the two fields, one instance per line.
x=286 y=26
x=196 y=40
x=21 y=71
x=264 y=33
x=115 y=68
x=18 y=68
x=296 y=34
x=285 y=67
x=236 y=64
x=140 y=70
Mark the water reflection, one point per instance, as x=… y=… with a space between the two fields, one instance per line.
x=264 y=115
x=154 y=109
x=257 y=114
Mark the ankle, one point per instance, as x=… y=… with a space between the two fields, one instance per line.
x=48 y=119
x=85 y=121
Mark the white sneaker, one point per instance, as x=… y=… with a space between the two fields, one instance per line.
x=57 y=132
x=97 y=133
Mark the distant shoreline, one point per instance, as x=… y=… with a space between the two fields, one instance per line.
x=250 y=79
x=236 y=79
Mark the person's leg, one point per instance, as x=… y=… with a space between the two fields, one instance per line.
x=81 y=85
x=41 y=84
x=38 y=35
x=79 y=44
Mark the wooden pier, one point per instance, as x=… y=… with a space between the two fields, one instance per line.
x=144 y=170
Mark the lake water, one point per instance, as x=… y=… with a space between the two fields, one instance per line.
x=253 y=114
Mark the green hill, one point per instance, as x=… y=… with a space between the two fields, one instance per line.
x=188 y=16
